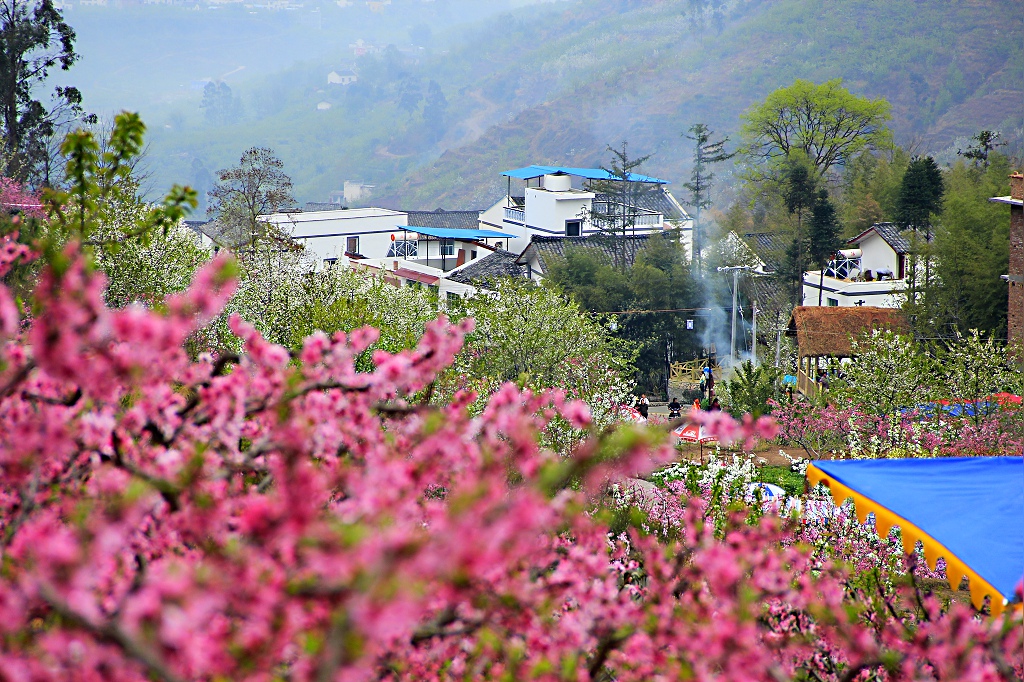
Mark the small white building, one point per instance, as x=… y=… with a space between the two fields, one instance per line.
x=559 y=201
x=871 y=272
x=343 y=77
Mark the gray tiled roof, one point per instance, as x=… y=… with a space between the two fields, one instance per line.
x=768 y=246
x=492 y=266
x=313 y=206
x=607 y=245
x=891 y=233
x=459 y=220
x=657 y=201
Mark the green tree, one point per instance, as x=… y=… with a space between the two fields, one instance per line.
x=255 y=187
x=799 y=191
x=705 y=153
x=34 y=39
x=972 y=249
x=615 y=216
x=826 y=122
x=219 y=104
x=823 y=239
x=983 y=144
x=920 y=198
x=654 y=292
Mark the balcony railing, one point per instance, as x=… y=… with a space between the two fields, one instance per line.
x=516 y=215
x=639 y=220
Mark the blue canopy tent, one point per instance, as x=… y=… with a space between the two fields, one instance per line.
x=967 y=510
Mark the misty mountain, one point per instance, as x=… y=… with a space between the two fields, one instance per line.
x=446 y=95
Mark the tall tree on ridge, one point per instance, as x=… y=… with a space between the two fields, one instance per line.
x=799 y=190
x=705 y=153
x=257 y=186
x=623 y=190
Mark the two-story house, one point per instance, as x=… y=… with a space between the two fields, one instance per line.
x=557 y=201
x=872 y=271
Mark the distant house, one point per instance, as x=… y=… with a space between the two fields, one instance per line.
x=829 y=332
x=344 y=77
x=1015 y=277
x=558 y=201
x=871 y=272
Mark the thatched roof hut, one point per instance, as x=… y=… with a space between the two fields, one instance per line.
x=829 y=331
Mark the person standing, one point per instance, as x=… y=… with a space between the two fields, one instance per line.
x=643 y=405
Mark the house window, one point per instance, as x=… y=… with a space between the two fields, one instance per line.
x=833 y=302
x=452 y=297
x=499 y=245
x=403 y=248
x=902 y=266
x=329 y=262
x=573 y=228
x=447 y=247
x=472 y=255
x=352 y=245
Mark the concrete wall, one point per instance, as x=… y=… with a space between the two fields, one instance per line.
x=325 y=233
x=877 y=254
x=550 y=210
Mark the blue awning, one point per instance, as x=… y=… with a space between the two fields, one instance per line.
x=464 y=234
x=531 y=172
x=968 y=510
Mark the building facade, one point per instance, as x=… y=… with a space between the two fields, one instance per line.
x=1015 y=276
x=872 y=271
x=558 y=202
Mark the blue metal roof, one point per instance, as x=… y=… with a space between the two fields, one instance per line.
x=531 y=172
x=457 y=233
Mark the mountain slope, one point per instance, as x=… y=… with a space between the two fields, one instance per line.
x=949 y=69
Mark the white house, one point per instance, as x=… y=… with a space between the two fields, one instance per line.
x=558 y=201
x=871 y=272
x=343 y=77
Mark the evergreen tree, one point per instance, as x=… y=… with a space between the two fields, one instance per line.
x=920 y=198
x=799 y=191
x=705 y=153
x=823 y=232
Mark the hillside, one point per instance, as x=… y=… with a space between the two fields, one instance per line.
x=556 y=83
x=949 y=69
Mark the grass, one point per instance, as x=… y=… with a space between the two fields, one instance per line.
x=781 y=476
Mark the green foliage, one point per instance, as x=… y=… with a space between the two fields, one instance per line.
x=34 y=39
x=920 y=194
x=659 y=280
x=99 y=182
x=870 y=189
x=826 y=122
x=973 y=368
x=793 y=483
x=890 y=373
x=750 y=389
x=971 y=250
x=257 y=186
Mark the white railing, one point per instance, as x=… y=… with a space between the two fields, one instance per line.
x=640 y=220
x=517 y=215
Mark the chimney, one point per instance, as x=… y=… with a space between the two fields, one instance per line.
x=1017 y=186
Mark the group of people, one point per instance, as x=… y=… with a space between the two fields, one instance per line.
x=643 y=406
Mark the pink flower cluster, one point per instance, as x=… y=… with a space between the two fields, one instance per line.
x=280 y=516
x=14 y=197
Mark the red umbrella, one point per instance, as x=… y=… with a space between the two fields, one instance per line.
x=694 y=433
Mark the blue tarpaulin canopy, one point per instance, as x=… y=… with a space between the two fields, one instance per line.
x=457 y=233
x=967 y=510
x=531 y=172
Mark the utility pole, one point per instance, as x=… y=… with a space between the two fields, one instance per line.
x=753 y=340
x=735 y=269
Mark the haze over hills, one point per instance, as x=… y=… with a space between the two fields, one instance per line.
x=451 y=94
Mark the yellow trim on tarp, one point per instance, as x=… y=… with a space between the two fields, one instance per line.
x=956 y=569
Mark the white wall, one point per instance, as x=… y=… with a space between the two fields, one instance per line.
x=324 y=233
x=548 y=211
x=884 y=294
x=878 y=255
